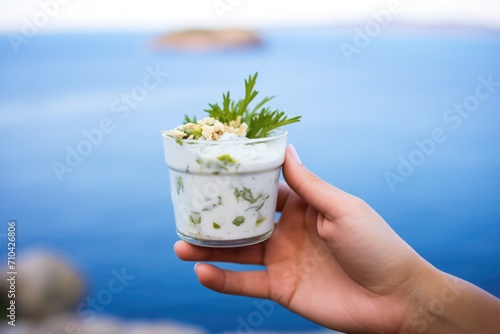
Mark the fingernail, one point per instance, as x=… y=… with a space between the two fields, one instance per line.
x=293 y=154
x=196 y=265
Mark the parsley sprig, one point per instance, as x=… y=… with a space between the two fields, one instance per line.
x=261 y=120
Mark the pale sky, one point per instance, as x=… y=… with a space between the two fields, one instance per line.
x=64 y=15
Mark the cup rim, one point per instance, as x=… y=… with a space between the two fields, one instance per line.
x=274 y=134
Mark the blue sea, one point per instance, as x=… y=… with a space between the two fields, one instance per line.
x=409 y=122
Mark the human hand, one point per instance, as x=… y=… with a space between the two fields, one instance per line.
x=331 y=259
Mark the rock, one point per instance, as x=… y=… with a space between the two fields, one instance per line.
x=45 y=285
x=161 y=328
x=48 y=290
x=68 y=323
x=201 y=40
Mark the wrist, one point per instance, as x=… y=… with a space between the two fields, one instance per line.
x=418 y=317
x=432 y=307
x=444 y=304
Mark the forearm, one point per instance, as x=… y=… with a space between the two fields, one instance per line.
x=451 y=305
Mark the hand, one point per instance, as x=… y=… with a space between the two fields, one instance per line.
x=331 y=259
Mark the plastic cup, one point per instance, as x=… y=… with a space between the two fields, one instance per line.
x=224 y=192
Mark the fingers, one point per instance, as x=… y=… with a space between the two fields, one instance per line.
x=249 y=283
x=314 y=191
x=245 y=255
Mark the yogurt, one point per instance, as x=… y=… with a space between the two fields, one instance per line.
x=224 y=192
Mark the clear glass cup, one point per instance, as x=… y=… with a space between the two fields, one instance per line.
x=224 y=192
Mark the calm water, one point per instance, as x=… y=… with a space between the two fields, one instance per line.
x=113 y=211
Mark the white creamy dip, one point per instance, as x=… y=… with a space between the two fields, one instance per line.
x=224 y=192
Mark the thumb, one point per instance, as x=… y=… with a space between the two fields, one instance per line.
x=319 y=194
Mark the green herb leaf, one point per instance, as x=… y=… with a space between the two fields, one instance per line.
x=195 y=218
x=210 y=207
x=260 y=123
x=239 y=220
x=196 y=132
x=237 y=194
x=215 y=225
x=226 y=159
x=179 y=185
x=247 y=195
x=187 y=119
x=260 y=220
x=261 y=203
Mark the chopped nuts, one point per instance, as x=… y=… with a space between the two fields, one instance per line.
x=208 y=129
x=176 y=133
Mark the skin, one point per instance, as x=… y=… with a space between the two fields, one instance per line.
x=333 y=260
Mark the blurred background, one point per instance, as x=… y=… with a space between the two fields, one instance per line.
x=400 y=103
